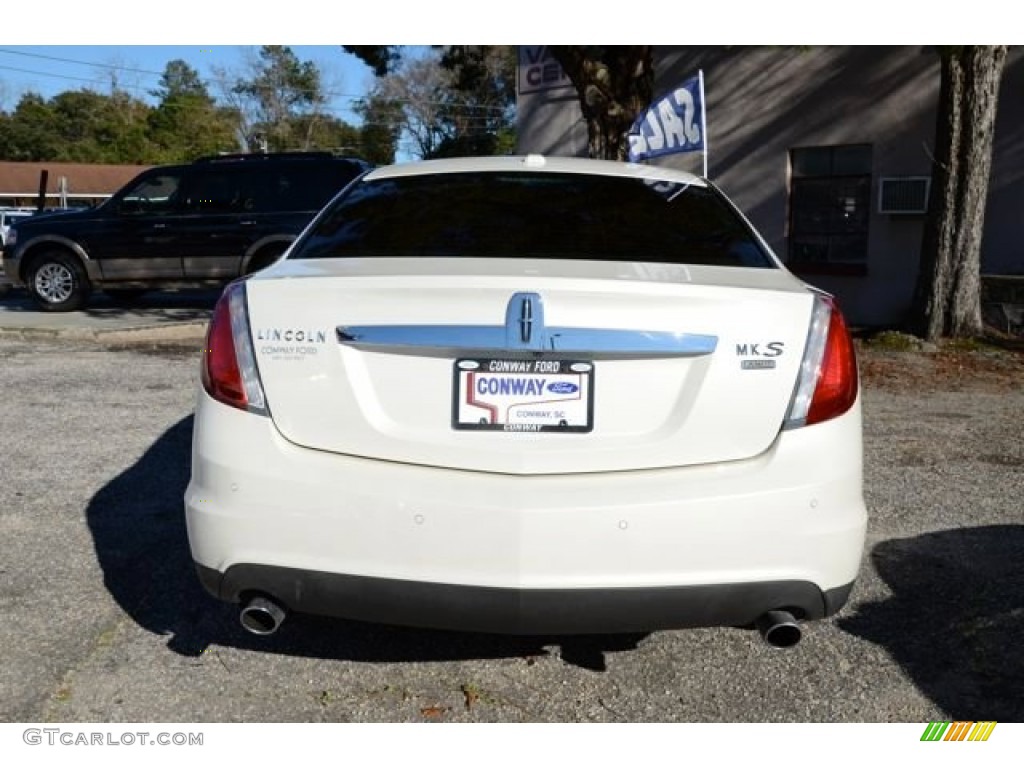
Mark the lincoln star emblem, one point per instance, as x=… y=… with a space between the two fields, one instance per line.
x=524 y=320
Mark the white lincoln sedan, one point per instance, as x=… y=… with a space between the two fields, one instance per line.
x=529 y=395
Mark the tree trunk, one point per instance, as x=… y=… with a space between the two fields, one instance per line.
x=614 y=84
x=947 y=298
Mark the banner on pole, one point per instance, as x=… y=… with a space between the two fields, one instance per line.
x=674 y=123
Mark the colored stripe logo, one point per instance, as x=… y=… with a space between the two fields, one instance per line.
x=958 y=731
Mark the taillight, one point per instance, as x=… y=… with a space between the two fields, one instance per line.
x=827 y=386
x=229 y=370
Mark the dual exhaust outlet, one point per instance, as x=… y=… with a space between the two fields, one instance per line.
x=779 y=629
x=262 y=615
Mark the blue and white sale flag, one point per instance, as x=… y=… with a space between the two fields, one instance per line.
x=674 y=123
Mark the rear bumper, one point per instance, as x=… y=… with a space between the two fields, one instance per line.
x=519 y=611
x=605 y=552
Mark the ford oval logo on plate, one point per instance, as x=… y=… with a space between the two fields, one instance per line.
x=468 y=365
x=562 y=387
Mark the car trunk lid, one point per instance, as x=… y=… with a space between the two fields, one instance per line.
x=678 y=365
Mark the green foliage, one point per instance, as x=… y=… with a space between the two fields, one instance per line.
x=482 y=96
x=968 y=344
x=280 y=90
x=84 y=126
x=483 y=75
x=181 y=81
x=506 y=140
x=468 y=145
x=187 y=123
x=77 y=126
x=895 y=341
x=379 y=133
x=183 y=130
x=30 y=132
x=380 y=58
x=280 y=99
x=323 y=132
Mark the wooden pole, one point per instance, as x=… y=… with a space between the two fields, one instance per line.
x=44 y=177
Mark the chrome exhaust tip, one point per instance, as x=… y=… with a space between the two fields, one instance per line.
x=262 y=615
x=779 y=629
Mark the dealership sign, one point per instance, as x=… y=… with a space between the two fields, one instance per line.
x=538 y=70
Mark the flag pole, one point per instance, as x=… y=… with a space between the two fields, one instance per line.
x=703 y=119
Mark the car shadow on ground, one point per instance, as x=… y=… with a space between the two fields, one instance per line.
x=166 y=305
x=138 y=529
x=955 y=620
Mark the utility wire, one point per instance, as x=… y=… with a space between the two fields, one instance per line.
x=220 y=81
x=461 y=109
x=78 y=61
x=51 y=74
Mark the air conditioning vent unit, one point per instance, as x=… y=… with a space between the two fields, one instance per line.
x=903 y=194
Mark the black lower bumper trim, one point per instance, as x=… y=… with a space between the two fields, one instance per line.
x=521 y=611
x=836 y=598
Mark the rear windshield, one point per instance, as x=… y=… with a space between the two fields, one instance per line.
x=526 y=215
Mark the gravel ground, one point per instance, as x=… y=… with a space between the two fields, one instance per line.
x=102 y=618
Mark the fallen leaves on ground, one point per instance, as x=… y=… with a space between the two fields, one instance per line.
x=948 y=367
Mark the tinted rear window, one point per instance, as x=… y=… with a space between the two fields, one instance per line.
x=526 y=215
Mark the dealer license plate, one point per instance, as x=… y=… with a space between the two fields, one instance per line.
x=523 y=395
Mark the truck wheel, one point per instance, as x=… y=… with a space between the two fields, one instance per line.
x=57 y=282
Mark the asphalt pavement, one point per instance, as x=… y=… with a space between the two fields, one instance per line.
x=102 y=619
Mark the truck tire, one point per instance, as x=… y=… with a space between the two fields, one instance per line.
x=57 y=282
